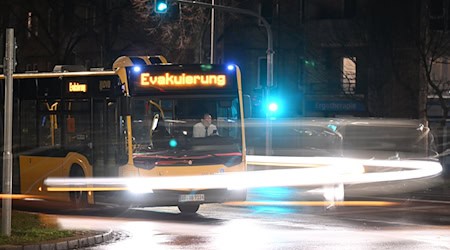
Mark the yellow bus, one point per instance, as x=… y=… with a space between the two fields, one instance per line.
x=133 y=121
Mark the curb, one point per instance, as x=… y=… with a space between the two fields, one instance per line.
x=65 y=245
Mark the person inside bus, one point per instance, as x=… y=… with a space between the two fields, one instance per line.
x=205 y=127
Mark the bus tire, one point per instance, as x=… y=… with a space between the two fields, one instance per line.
x=79 y=199
x=188 y=208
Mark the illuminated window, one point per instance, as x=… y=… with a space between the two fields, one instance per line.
x=349 y=75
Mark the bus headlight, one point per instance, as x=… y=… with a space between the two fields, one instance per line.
x=139 y=187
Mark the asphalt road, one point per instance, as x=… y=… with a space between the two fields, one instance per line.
x=419 y=220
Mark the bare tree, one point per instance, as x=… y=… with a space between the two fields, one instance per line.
x=50 y=29
x=434 y=51
x=433 y=48
x=51 y=32
x=95 y=32
x=178 y=33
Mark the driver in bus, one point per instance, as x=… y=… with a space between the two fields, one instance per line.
x=205 y=127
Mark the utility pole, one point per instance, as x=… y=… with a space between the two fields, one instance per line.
x=7 y=134
x=269 y=53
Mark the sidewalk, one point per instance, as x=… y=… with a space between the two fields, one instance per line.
x=72 y=243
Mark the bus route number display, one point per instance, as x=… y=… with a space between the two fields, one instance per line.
x=77 y=87
x=183 y=81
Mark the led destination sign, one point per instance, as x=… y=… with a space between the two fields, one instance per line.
x=184 y=80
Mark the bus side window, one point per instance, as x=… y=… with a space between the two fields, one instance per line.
x=70 y=125
x=247 y=106
x=234 y=109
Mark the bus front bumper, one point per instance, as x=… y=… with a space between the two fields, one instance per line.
x=174 y=197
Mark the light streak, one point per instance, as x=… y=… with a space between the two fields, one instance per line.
x=20 y=197
x=327 y=171
x=314 y=203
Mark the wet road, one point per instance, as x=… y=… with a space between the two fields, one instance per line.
x=399 y=223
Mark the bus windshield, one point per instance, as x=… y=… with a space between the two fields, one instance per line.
x=163 y=131
x=168 y=101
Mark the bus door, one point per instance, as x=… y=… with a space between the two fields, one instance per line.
x=48 y=122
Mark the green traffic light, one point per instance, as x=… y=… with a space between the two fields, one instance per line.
x=161 y=6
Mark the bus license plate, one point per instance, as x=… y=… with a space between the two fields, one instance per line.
x=191 y=197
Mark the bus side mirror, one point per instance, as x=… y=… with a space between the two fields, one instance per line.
x=155 y=122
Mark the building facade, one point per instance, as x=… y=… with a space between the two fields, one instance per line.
x=337 y=57
x=332 y=58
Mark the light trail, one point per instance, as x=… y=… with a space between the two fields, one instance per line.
x=315 y=203
x=326 y=171
x=409 y=169
x=20 y=197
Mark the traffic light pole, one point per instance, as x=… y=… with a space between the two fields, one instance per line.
x=250 y=13
x=270 y=52
x=7 y=149
x=212 y=33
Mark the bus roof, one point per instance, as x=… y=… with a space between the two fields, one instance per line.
x=60 y=74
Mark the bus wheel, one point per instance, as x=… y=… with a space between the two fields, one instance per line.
x=188 y=208
x=79 y=199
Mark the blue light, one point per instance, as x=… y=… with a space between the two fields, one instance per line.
x=137 y=69
x=230 y=67
x=271 y=200
x=273 y=107
x=332 y=127
x=271 y=194
x=173 y=143
x=161 y=7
